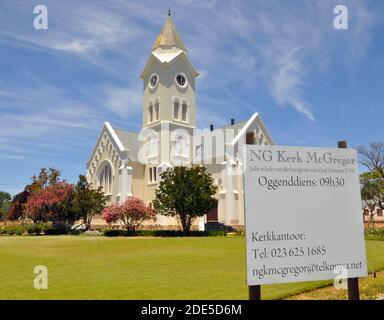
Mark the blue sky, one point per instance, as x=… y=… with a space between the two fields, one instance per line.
x=312 y=84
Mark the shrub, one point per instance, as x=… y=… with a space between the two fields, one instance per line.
x=33 y=229
x=374 y=233
x=113 y=233
x=161 y=233
x=55 y=230
x=132 y=213
x=10 y=231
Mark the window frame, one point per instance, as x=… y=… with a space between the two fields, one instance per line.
x=156 y=107
x=184 y=104
x=186 y=80
x=105 y=178
x=150 y=112
x=157 y=82
x=176 y=115
x=152 y=175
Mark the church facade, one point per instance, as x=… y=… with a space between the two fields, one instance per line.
x=129 y=163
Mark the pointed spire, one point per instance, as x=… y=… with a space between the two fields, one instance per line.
x=169 y=37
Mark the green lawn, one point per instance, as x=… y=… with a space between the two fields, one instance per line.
x=137 y=268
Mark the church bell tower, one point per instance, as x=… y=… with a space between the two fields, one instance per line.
x=169 y=81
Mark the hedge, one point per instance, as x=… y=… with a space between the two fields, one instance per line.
x=48 y=229
x=161 y=233
x=33 y=229
x=374 y=233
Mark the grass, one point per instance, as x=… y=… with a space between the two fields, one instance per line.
x=370 y=289
x=83 y=267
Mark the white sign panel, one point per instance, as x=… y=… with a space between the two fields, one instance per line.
x=303 y=214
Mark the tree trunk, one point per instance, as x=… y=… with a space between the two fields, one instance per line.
x=372 y=220
x=88 y=222
x=185 y=223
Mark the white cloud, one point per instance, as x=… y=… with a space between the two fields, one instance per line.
x=124 y=102
x=287 y=84
x=75 y=46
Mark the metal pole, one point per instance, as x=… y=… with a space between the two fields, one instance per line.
x=353 y=283
x=254 y=292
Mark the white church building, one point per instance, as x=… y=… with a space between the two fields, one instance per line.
x=129 y=163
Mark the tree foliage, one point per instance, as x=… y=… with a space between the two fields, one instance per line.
x=372 y=157
x=372 y=193
x=88 y=201
x=45 y=178
x=53 y=203
x=5 y=201
x=16 y=210
x=132 y=213
x=185 y=193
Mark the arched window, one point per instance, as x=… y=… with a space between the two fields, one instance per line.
x=176 y=111
x=105 y=178
x=150 y=112
x=157 y=110
x=184 y=109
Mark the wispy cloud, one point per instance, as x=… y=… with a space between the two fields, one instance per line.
x=122 y=101
x=287 y=83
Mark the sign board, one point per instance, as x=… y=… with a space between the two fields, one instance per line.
x=303 y=214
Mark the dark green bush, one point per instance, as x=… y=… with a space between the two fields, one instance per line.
x=114 y=233
x=55 y=230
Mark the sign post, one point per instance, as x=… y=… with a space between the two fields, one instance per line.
x=254 y=292
x=302 y=214
x=353 y=283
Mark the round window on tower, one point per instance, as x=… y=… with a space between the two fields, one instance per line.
x=181 y=80
x=153 y=81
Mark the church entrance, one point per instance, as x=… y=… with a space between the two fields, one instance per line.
x=212 y=215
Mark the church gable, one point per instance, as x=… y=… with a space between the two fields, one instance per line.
x=108 y=149
x=166 y=60
x=253 y=132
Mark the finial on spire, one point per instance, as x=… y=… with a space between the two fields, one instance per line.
x=169 y=12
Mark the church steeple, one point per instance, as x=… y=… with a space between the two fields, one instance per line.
x=168 y=36
x=169 y=82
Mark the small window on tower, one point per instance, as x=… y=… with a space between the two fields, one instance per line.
x=176 y=108
x=153 y=81
x=157 y=110
x=184 y=112
x=150 y=111
x=181 y=80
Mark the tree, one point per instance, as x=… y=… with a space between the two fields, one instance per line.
x=16 y=210
x=132 y=213
x=372 y=194
x=185 y=193
x=372 y=157
x=44 y=179
x=53 y=203
x=5 y=201
x=88 y=201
